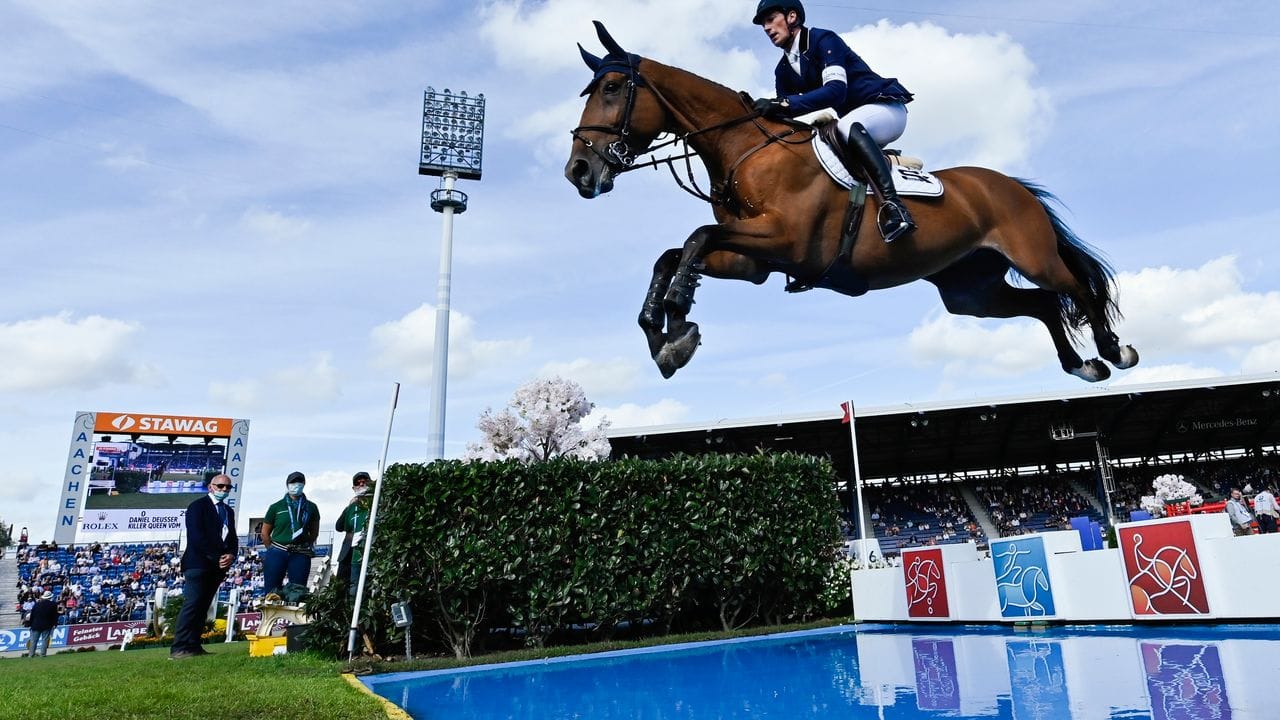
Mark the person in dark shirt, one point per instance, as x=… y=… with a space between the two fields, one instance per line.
x=211 y=546
x=44 y=618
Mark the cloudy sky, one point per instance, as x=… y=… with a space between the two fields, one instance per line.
x=213 y=209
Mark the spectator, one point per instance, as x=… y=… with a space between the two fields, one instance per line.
x=44 y=618
x=1241 y=520
x=1265 y=508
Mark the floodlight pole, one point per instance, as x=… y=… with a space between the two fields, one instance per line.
x=452 y=148
x=440 y=357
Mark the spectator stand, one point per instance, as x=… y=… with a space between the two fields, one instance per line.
x=905 y=516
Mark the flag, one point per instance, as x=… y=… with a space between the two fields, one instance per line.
x=847 y=407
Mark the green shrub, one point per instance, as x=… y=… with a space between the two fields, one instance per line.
x=687 y=543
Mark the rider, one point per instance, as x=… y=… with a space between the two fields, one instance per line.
x=818 y=70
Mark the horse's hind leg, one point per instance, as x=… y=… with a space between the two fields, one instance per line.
x=976 y=286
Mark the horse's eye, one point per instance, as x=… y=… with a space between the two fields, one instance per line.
x=612 y=86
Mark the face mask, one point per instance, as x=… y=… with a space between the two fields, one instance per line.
x=362 y=490
x=295 y=489
x=221 y=494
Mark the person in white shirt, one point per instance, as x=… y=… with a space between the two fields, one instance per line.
x=1238 y=511
x=1266 y=510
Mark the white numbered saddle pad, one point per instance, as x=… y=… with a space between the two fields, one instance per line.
x=906 y=181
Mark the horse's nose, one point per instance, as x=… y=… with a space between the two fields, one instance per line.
x=578 y=171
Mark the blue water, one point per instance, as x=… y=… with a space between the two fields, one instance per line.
x=881 y=671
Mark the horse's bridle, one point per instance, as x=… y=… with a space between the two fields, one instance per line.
x=619 y=156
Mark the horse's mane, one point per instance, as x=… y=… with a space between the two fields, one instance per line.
x=690 y=75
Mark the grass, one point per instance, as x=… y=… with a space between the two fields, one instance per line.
x=230 y=684
x=146 y=684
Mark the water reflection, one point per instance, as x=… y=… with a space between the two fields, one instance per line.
x=1179 y=673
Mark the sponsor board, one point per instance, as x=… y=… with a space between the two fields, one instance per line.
x=94 y=462
x=115 y=521
x=151 y=424
x=65 y=636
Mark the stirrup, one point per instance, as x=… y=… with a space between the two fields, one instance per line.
x=898 y=222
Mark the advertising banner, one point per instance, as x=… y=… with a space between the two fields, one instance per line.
x=1022 y=577
x=926 y=583
x=113 y=521
x=73 y=635
x=126 y=472
x=1163 y=570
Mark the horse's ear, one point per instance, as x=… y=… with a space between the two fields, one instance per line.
x=607 y=40
x=592 y=61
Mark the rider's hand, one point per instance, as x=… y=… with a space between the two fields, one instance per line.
x=771 y=107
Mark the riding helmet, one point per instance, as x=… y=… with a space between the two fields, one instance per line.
x=767 y=6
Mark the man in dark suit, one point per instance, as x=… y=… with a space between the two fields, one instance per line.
x=211 y=547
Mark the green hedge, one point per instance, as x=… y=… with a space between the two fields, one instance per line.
x=688 y=543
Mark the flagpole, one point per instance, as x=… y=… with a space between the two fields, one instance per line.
x=368 y=535
x=857 y=481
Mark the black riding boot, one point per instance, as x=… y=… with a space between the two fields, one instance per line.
x=893 y=218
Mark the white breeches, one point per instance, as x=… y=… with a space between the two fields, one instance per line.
x=884 y=121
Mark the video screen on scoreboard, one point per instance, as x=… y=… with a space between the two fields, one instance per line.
x=147 y=475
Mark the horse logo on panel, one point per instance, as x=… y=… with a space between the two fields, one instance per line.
x=1163 y=569
x=1022 y=578
x=926 y=583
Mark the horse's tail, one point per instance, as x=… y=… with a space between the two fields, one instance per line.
x=1085 y=263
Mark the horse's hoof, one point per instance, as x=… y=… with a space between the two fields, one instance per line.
x=1091 y=370
x=676 y=353
x=1128 y=358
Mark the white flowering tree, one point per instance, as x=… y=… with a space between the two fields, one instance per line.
x=543 y=420
x=1169 y=488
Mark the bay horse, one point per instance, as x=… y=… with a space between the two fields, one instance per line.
x=776 y=210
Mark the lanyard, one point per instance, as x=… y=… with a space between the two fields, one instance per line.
x=297 y=515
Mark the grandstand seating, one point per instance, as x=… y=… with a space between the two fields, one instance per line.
x=919 y=515
x=108 y=583
x=1032 y=504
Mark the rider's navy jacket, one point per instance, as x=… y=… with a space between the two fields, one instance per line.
x=806 y=92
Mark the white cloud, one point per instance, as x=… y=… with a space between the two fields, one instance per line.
x=274 y=225
x=1166 y=373
x=976 y=101
x=537 y=37
x=407 y=345
x=312 y=384
x=1205 y=308
x=598 y=378
x=965 y=345
x=1262 y=358
x=59 y=351
x=631 y=415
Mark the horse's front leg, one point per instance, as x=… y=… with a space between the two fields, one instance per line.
x=697 y=257
x=653 y=316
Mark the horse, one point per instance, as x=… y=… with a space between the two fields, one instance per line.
x=776 y=210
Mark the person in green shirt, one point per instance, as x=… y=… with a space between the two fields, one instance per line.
x=353 y=521
x=289 y=532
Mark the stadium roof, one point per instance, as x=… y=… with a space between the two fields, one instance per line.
x=1136 y=423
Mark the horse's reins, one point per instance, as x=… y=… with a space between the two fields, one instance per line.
x=618 y=155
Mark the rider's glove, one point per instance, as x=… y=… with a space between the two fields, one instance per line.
x=771 y=107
